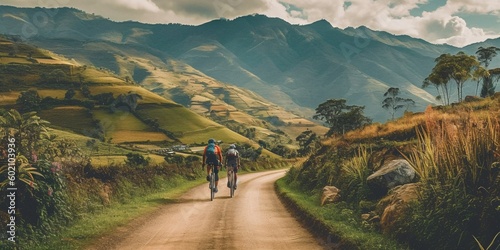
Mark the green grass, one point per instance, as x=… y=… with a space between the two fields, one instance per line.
x=147 y=96
x=91 y=227
x=175 y=119
x=74 y=118
x=187 y=125
x=81 y=141
x=123 y=126
x=340 y=222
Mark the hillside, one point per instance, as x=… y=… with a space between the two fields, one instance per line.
x=296 y=67
x=105 y=112
x=409 y=179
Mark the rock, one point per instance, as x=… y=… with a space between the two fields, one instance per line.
x=104 y=194
x=394 y=173
x=395 y=204
x=374 y=219
x=330 y=194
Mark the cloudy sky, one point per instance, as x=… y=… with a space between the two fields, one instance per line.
x=456 y=22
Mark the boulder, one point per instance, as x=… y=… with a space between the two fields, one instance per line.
x=394 y=205
x=330 y=194
x=392 y=174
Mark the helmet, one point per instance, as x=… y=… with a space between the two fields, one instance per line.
x=211 y=140
x=232 y=146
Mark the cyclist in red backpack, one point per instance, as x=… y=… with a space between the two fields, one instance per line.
x=212 y=155
x=233 y=161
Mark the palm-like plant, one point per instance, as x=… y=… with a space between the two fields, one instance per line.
x=26 y=128
x=25 y=172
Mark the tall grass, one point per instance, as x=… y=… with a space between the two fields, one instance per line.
x=460 y=153
x=356 y=168
x=456 y=161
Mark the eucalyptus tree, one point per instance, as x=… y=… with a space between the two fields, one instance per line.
x=485 y=55
x=393 y=102
x=460 y=68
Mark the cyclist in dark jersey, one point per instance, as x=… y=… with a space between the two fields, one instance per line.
x=233 y=161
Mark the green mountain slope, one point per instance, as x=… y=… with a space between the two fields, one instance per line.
x=152 y=120
x=296 y=67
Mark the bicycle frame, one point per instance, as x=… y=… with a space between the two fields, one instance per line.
x=212 y=182
x=231 y=180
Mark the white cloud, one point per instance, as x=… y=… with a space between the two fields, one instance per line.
x=475 y=6
x=443 y=25
x=146 y=5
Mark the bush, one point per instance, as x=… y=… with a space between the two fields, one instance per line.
x=136 y=159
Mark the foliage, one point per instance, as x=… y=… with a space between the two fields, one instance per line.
x=248 y=152
x=308 y=142
x=461 y=181
x=69 y=94
x=459 y=68
x=41 y=201
x=26 y=128
x=393 y=102
x=86 y=91
x=445 y=210
x=344 y=230
x=356 y=169
x=29 y=101
x=456 y=154
x=284 y=151
x=485 y=55
x=103 y=98
x=174 y=159
x=341 y=117
x=136 y=159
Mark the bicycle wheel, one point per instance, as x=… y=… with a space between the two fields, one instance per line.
x=212 y=186
x=231 y=183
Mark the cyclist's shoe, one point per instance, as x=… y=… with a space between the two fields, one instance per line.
x=208 y=177
x=216 y=190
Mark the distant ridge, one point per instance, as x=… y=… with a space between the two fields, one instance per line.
x=295 y=66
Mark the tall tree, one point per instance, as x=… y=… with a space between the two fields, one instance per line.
x=459 y=68
x=393 y=102
x=29 y=101
x=341 y=117
x=69 y=94
x=485 y=55
x=308 y=142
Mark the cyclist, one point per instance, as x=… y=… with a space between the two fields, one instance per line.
x=233 y=161
x=212 y=154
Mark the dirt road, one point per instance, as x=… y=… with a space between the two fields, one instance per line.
x=253 y=219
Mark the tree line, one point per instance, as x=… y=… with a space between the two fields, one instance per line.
x=459 y=69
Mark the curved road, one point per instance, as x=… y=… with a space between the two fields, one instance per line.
x=253 y=219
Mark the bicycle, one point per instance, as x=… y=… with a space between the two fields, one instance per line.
x=212 y=182
x=231 y=180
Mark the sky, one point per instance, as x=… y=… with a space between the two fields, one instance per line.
x=455 y=22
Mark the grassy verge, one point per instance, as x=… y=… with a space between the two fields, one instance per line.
x=335 y=224
x=91 y=227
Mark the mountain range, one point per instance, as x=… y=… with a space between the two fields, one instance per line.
x=295 y=67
